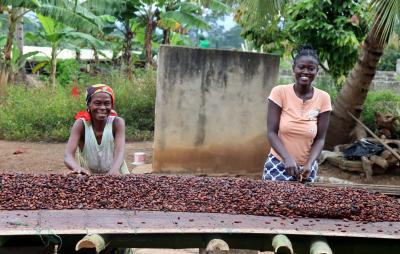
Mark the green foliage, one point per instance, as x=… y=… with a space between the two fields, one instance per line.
x=389 y=59
x=37 y=114
x=68 y=72
x=383 y=102
x=266 y=34
x=43 y=114
x=335 y=29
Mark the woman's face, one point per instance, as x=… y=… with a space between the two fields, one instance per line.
x=100 y=106
x=305 y=70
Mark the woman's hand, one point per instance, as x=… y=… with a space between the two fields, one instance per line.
x=80 y=171
x=291 y=167
x=114 y=172
x=305 y=173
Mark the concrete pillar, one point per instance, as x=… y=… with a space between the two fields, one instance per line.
x=211 y=110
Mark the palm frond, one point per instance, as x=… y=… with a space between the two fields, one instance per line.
x=261 y=9
x=109 y=7
x=186 y=19
x=387 y=14
x=29 y=4
x=68 y=17
x=86 y=37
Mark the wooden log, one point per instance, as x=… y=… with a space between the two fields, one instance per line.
x=282 y=245
x=342 y=163
x=381 y=162
x=92 y=241
x=367 y=167
x=320 y=246
x=375 y=136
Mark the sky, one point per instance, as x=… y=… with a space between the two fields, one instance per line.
x=227 y=22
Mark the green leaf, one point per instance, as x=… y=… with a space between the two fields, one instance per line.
x=186 y=19
x=22 y=60
x=29 y=4
x=40 y=66
x=87 y=37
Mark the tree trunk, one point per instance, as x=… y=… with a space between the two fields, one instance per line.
x=353 y=93
x=127 y=48
x=96 y=56
x=20 y=40
x=148 y=40
x=78 y=55
x=166 y=37
x=6 y=61
x=53 y=67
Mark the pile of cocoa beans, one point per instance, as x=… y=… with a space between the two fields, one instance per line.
x=193 y=194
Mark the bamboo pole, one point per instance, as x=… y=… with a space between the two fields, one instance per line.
x=217 y=246
x=282 y=245
x=92 y=241
x=375 y=136
x=320 y=246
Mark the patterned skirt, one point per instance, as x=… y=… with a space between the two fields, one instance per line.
x=274 y=170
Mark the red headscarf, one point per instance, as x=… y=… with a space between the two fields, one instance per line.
x=92 y=90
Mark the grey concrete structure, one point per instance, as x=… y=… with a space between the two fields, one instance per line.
x=211 y=110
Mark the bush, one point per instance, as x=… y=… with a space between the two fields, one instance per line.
x=37 y=114
x=43 y=114
x=67 y=71
x=389 y=59
x=382 y=101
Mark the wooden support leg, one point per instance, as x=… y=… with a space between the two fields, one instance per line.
x=320 y=246
x=367 y=167
x=92 y=241
x=282 y=245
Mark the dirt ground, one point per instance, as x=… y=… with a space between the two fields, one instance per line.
x=47 y=158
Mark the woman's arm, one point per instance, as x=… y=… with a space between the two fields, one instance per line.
x=318 y=144
x=73 y=142
x=273 y=120
x=119 y=145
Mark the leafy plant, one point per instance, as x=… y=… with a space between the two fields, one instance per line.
x=43 y=114
x=383 y=102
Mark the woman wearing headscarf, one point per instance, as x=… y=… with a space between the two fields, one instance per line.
x=97 y=137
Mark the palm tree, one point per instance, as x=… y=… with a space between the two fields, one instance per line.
x=355 y=89
x=352 y=96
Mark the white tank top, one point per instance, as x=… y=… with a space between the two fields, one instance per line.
x=99 y=158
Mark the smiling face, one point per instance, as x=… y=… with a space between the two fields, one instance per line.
x=100 y=106
x=305 y=69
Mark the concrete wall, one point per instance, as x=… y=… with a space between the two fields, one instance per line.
x=211 y=110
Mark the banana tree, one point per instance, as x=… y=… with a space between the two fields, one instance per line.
x=18 y=60
x=56 y=33
x=179 y=17
x=13 y=9
x=69 y=12
x=124 y=12
x=352 y=96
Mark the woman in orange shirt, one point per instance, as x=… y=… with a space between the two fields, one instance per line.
x=297 y=121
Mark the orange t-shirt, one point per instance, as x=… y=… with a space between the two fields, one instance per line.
x=298 y=123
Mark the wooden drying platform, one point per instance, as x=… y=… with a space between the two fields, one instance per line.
x=151 y=229
x=391 y=190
